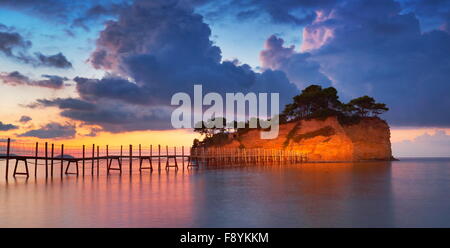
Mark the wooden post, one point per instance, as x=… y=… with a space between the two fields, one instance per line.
x=8 y=147
x=140 y=159
x=62 y=160
x=98 y=160
x=46 y=159
x=151 y=152
x=93 y=159
x=84 y=155
x=182 y=156
x=159 y=157
x=36 y=159
x=51 y=160
x=175 y=154
x=131 y=159
x=167 y=155
x=107 y=157
x=151 y=157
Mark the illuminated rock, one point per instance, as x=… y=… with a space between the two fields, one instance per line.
x=326 y=140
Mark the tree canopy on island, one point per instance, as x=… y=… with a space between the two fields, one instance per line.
x=366 y=106
x=317 y=102
x=210 y=127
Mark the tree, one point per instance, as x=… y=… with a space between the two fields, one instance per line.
x=314 y=101
x=365 y=106
x=196 y=143
x=211 y=127
x=201 y=128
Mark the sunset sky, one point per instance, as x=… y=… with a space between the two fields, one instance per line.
x=104 y=71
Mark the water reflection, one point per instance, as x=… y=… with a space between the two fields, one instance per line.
x=377 y=194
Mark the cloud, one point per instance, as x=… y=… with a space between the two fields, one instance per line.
x=111 y=115
x=52 y=130
x=376 y=48
x=114 y=117
x=165 y=48
x=113 y=88
x=11 y=41
x=80 y=13
x=58 y=60
x=16 y=78
x=432 y=14
x=93 y=132
x=96 y=12
x=64 y=103
x=426 y=145
x=297 y=66
x=25 y=119
x=7 y=127
x=154 y=50
x=14 y=45
x=296 y=12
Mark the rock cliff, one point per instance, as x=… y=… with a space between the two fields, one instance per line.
x=325 y=140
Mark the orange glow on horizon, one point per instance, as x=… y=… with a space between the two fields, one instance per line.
x=180 y=137
x=402 y=134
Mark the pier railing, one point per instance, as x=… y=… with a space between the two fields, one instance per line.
x=87 y=159
x=245 y=156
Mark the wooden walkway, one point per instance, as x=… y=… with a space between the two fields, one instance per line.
x=90 y=159
x=220 y=156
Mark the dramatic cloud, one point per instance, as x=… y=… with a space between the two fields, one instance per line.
x=434 y=145
x=154 y=50
x=111 y=115
x=157 y=48
x=372 y=47
x=52 y=130
x=165 y=48
x=14 y=45
x=297 y=66
x=16 y=78
x=7 y=127
x=25 y=119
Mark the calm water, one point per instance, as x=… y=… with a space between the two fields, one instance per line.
x=407 y=193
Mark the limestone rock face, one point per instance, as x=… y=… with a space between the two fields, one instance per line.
x=326 y=140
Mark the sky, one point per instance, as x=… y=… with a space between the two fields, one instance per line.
x=104 y=71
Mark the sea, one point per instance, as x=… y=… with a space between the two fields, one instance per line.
x=411 y=192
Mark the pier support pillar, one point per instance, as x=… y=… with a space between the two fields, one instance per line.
x=119 y=163
x=26 y=173
x=141 y=160
x=69 y=162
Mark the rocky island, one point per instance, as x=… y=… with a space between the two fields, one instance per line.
x=319 y=125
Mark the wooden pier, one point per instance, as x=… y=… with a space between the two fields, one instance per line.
x=223 y=156
x=69 y=159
